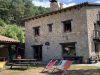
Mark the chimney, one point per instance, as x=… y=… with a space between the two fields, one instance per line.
x=61 y=6
x=54 y=5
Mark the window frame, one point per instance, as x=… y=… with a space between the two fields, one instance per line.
x=96 y=47
x=50 y=27
x=36 y=31
x=66 y=27
x=71 y=45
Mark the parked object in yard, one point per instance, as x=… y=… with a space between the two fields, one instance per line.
x=19 y=57
x=22 y=62
x=50 y=65
x=63 y=66
x=2 y=64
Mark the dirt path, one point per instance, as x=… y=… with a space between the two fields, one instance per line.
x=33 y=72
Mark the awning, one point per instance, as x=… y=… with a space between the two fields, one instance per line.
x=7 y=40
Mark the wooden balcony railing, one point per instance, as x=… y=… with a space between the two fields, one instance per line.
x=98 y=22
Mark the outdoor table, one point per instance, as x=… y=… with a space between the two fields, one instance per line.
x=22 y=62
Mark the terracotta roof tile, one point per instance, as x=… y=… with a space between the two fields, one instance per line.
x=7 y=39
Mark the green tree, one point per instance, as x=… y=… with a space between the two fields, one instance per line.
x=2 y=23
x=4 y=10
x=28 y=11
x=15 y=32
x=17 y=10
x=13 y=11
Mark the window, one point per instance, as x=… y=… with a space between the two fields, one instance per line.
x=97 y=47
x=67 y=26
x=98 y=16
x=50 y=27
x=68 y=49
x=36 y=31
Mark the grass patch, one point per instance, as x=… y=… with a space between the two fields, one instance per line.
x=75 y=67
x=35 y=70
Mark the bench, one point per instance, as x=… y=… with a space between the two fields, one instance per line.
x=18 y=64
x=22 y=62
x=35 y=63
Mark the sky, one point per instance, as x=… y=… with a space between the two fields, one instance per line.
x=66 y=3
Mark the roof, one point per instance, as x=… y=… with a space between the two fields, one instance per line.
x=61 y=10
x=4 y=39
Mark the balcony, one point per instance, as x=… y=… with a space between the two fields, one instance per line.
x=98 y=22
x=98 y=18
x=96 y=35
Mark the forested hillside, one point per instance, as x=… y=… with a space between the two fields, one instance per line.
x=13 y=11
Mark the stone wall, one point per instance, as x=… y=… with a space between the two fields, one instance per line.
x=91 y=20
x=79 y=34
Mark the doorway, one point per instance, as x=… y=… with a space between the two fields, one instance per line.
x=37 y=52
x=21 y=52
x=97 y=49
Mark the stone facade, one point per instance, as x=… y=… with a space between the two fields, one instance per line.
x=83 y=19
x=91 y=20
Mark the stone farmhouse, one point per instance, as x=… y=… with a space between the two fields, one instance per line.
x=64 y=32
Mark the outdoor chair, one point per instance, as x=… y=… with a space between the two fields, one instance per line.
x=50 y=65
x=2 y=65
x=63 y=66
